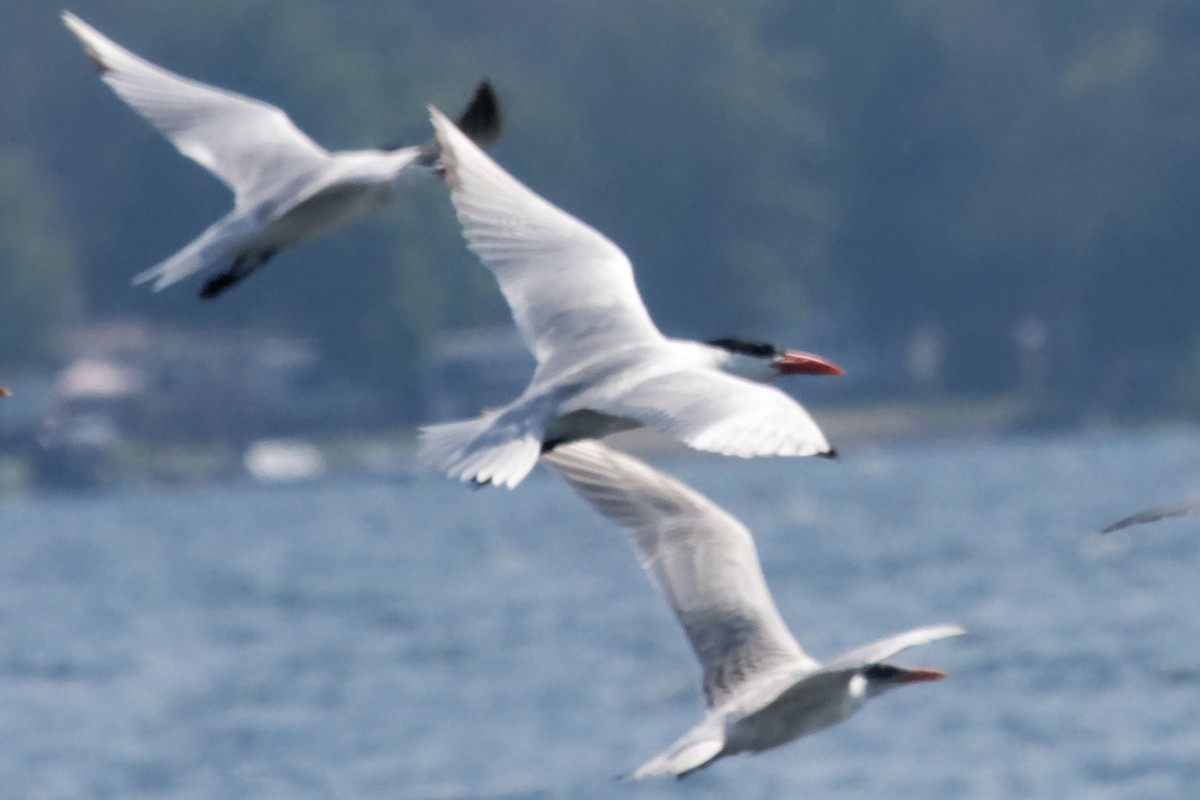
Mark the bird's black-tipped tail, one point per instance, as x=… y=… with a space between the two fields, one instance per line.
x=482 y=120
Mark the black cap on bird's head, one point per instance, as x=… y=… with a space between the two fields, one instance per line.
x=785 y=362
x=882 y=676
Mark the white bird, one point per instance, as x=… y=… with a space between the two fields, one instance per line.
x=287 y=188
x=602 y=365
x=760 y=687
x=1184 y=509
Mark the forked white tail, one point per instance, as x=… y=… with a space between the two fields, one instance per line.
x=479 y=450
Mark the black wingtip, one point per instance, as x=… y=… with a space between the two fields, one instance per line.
x=482 y=119
x=75 y=24
x=216 y=285
x=832 y=454
x=1136 y=519
x=97 y=62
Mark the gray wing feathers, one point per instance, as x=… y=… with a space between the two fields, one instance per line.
x=883 y=649
x=243 y=141
x=702 y=559
x=565 y=281
x=720 y=413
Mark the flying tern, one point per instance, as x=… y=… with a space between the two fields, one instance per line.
x=287 y=188
x=761 y=689
x=602 y=365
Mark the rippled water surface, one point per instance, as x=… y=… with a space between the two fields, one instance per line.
x=419 y=640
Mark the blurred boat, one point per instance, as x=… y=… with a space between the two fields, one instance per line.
x=283 y=461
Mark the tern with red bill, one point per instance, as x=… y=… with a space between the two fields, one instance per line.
x=761 y=689
x=602 y=365
x=287 y=188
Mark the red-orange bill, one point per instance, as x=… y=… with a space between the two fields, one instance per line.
x=920 y=675
x=795 y=362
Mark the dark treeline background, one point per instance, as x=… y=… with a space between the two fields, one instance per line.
x=845 y=174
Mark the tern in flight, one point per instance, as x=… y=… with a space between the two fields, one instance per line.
x=760 y=688
x=602 y=365
x=287 y=188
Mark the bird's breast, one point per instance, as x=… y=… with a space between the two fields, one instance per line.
x=791 y=716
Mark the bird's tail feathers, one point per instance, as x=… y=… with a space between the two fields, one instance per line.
x=210 y=249
x=695 y=750
x=477 y=450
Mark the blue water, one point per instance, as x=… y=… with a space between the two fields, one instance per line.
x=367 y=639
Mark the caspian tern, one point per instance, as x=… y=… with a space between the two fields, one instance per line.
x=761 y=689
x=287 y=188
x=1184 y=509
x=602 y=365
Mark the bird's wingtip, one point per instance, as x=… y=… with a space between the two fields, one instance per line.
x=84 y=32
x=71 y=20
x=441 y=123
x=482 y=120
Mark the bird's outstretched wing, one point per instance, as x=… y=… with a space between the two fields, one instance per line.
x=1185 y=509
x=719 y=413
x=883 y=649
x=571 y=290
x=701 y=558
x=245 y=142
